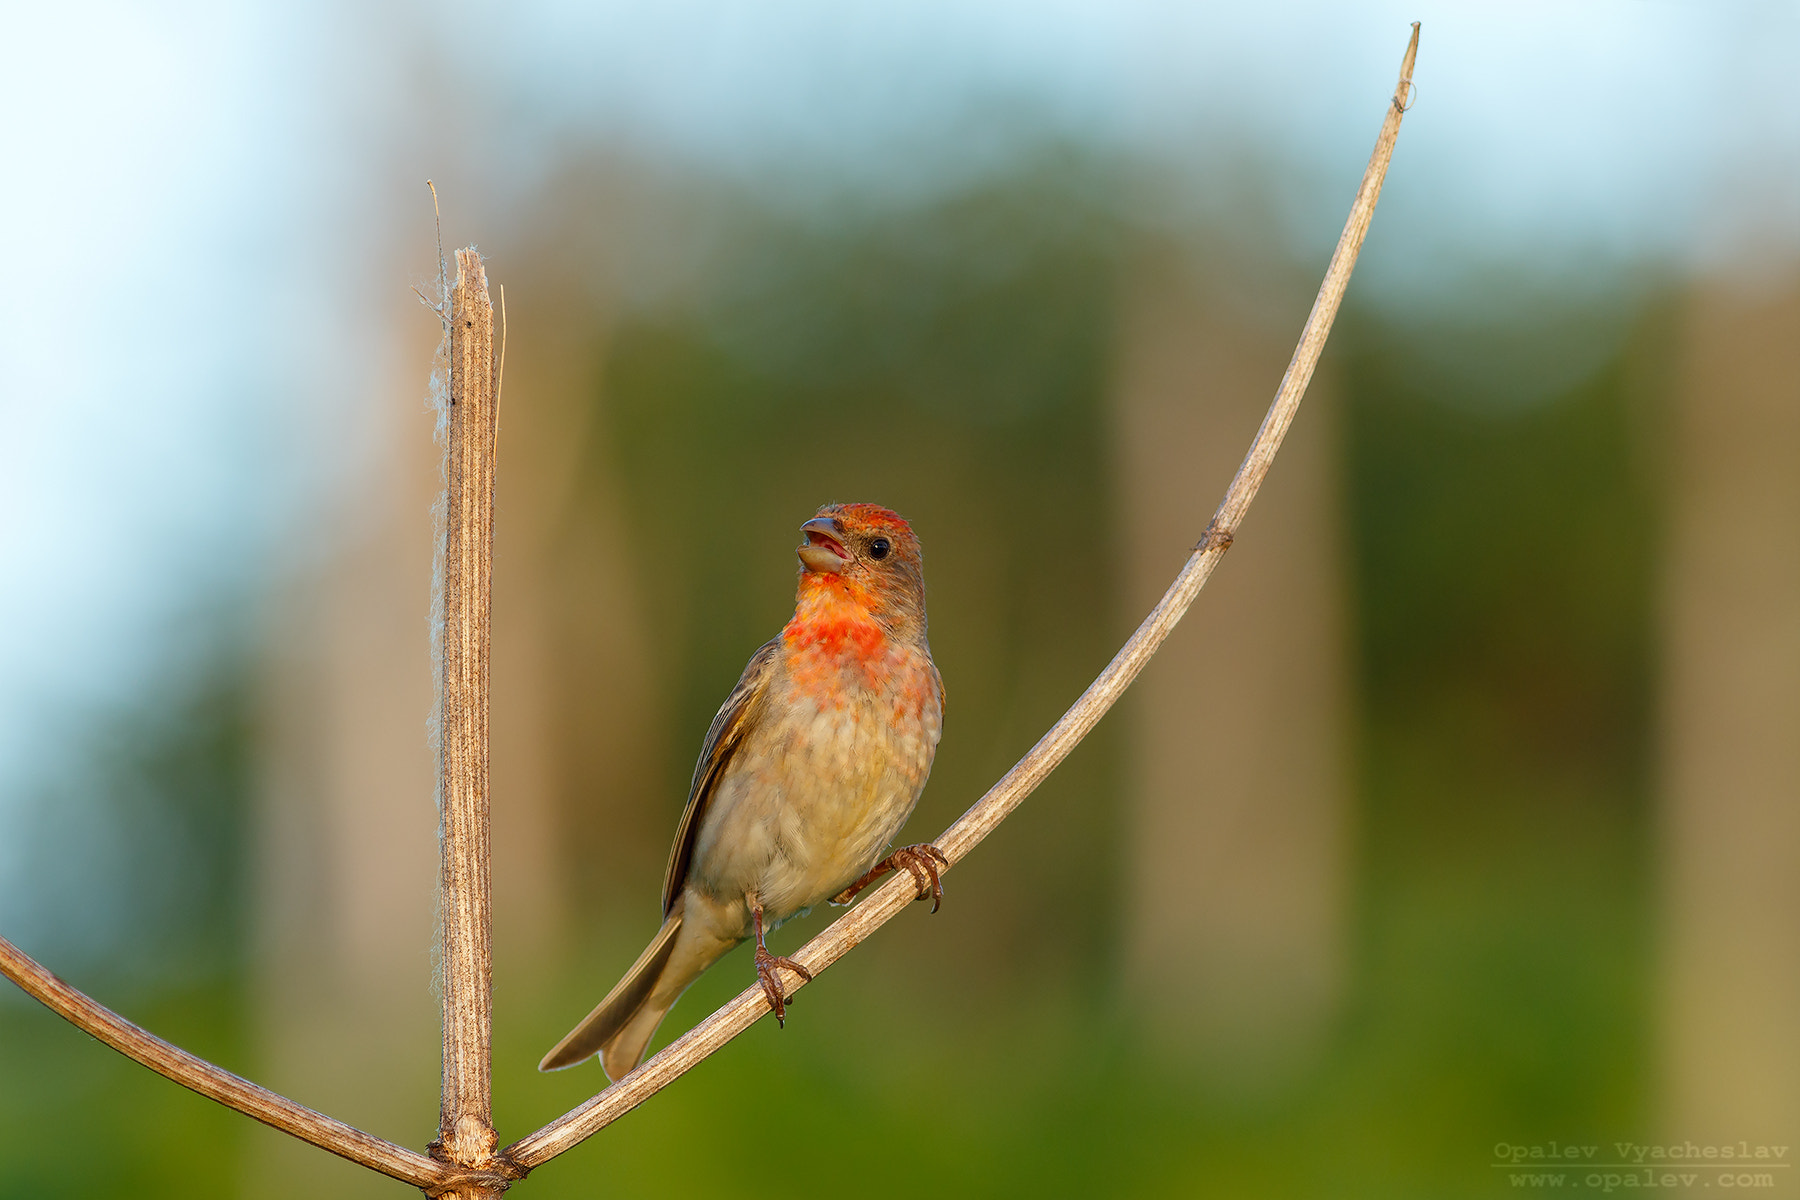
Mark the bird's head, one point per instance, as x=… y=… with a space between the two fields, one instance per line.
x=871 y=554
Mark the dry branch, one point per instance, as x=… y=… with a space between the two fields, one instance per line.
x=887 y=901
x=216 y=1083
x=466 y=1121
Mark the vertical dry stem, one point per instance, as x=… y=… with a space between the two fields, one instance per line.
x=465 y=1126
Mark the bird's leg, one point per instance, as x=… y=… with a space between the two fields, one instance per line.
x=767 y=963
x=921 y=861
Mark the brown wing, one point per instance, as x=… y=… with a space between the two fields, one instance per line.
x=735 y=719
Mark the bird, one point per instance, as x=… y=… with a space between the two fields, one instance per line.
x=807 y=774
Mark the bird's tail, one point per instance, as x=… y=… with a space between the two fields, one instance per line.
x=621 y=1026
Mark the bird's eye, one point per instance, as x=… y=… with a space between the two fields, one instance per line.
x=879 y=548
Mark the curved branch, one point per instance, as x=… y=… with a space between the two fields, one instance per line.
x=682 y=1055
x=216 y=1083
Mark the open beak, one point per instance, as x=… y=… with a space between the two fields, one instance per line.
x=823 y=552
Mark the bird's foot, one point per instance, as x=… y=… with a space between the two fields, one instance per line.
x=922 y=862
x=766 y=965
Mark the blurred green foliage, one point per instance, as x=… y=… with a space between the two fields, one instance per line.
x=952 y=361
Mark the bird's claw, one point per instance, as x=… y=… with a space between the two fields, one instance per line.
x=766 y=965
x=922 y=862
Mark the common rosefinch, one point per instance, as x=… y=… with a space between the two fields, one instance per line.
x=808 y=772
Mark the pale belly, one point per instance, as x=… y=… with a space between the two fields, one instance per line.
x=808 y=804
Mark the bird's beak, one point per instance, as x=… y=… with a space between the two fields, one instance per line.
x=823 y=552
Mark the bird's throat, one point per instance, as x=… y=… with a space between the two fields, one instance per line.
x=833 y=623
